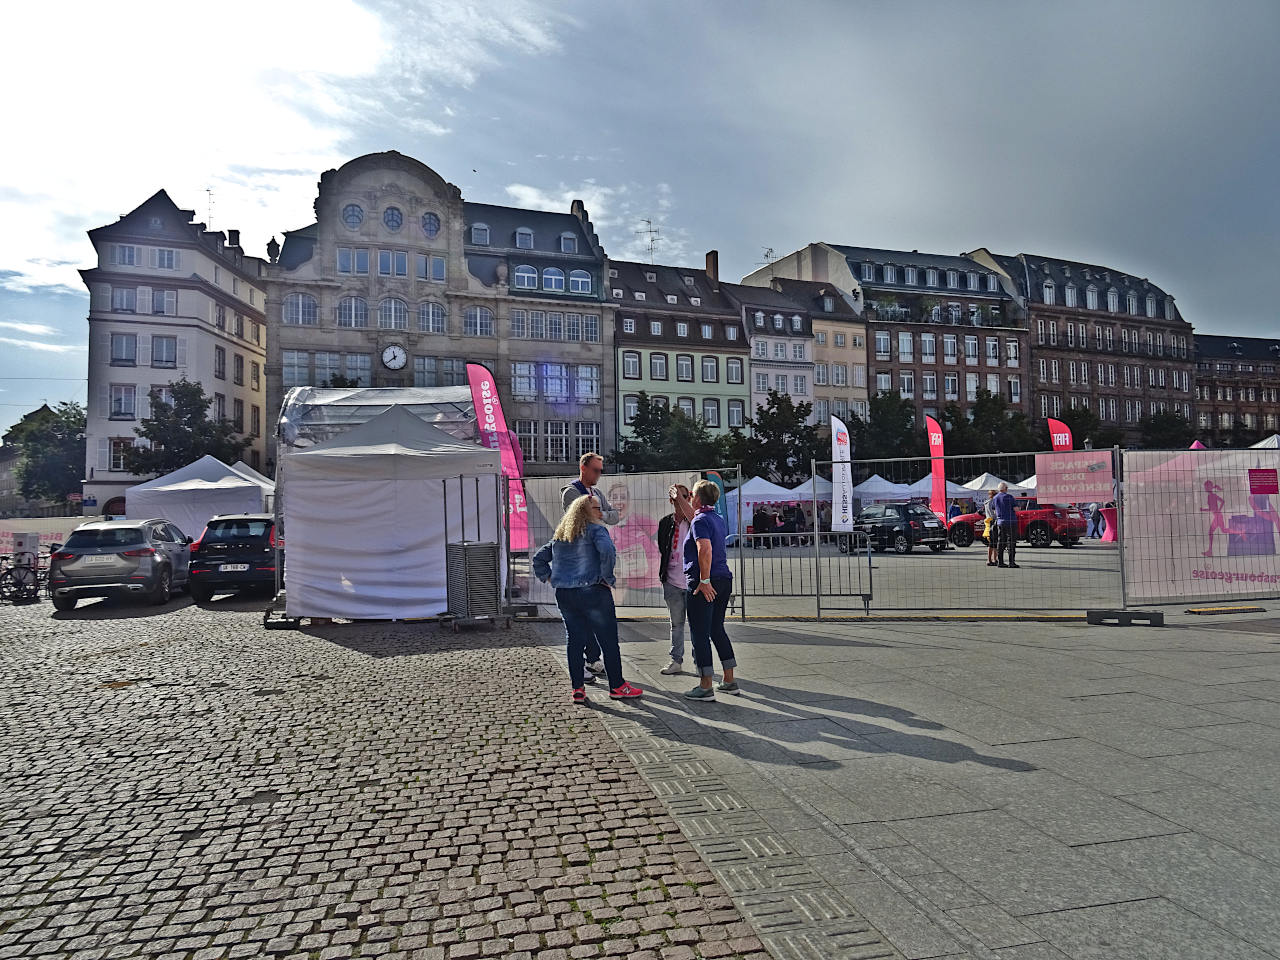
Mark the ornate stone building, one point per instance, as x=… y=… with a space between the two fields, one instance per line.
x=1237 y=390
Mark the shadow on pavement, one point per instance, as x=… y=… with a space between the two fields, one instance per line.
x=110 y=608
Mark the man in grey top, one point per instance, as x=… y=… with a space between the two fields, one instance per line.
x=590 y=466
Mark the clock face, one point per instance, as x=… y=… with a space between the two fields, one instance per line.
x=394 y=357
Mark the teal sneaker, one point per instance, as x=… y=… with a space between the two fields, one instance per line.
x=700 y=693
x=730 y=687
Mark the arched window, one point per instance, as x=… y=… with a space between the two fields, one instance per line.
x=1070 y=294
x=480 y=234
x=526 y=277
x=352 y=215
x=568 y=243
x=552 y=278
x=300 y=308
x=1091 y=297
x=1050 y=293
x=431 y=317
x=1131 y=302
x=393 y=314
x=579 y=281
x=1151 y=305
x=478 y=322
x=430 y=225
x=393 y=218
x=353 y=312
x=1113 y=300
x=524 y=238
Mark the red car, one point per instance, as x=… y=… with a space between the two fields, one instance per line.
x=1038 y=525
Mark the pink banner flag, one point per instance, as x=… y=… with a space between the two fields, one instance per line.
x=1059 y=434
x=492 y=425
x=938 y=500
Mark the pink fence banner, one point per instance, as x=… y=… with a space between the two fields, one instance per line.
x=492 y=426
x=1077 y=476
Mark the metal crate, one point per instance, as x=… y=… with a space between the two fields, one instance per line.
x=471 y=585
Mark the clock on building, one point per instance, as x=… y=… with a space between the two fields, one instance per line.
x=394 y=356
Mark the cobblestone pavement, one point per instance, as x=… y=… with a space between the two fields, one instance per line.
x=181 y=783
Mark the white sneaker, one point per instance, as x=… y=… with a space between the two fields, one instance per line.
x=597 y=668
x=673 y=668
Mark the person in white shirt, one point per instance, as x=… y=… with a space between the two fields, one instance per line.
x=673 y=530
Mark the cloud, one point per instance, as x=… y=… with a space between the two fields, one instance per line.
x=43 y=347
x=35 y=329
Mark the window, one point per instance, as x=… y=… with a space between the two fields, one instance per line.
x=797 y=351
x=910 y=276
x=524 y=239
x=797 y=324
x=219 y=407
x=777 y=321
x=628 y=325
x=839 y=340
x=970 y=349
x=631 y=365
x=300 y=308
x=682 y=329
x=353 y=260
x=708 y=332
x=868 y=272
x=164 y=259
x=123 y=401
x=352 y=215
x=657 y=366
x=118 y=448
x=904 y=347
x=928 y=347
x=293 y=368
x=993 y=283
x=820 y=375
x=524 y=381
x=353 y=312
x=828 y=304
x=124 y=299
x=733 y=370
x=164 y=351
x=1151 y=305
x=579 y=282
x=993 y=351
x=555 y=326
x=239 y=326
x=1049 y=292
x=973 y=280
x=907 y=384
x=587 y=383
x=780 y=351
x=430 y=225
x=890 y=273
x=237 y=414
x=951 y=383
x=882 y=345
x=393 y=263
x=237 y=369
x=780 y=382
x=953 y=279
x=1070 y=295
x=478 y=322
x=684 y=366
x=433 y=269
x=711 y=412
x=639 y=294
x=555 y=381
x=1012 y=352
x=840 y=374
x=591 y=328
x=929 y=386
x=655 y=327
x=1053 y=333
x=710 y=370
x=758 y=316
x=557 y=433
x=526 y=432
x=255 y=375
x=1131 y=301
x=1113 y=300
x=568 y=243
x=359 y=368
x=737 y=413
x=696 y=301
x=1043 y=366
x=949 y=347
x=630 y=407
x=1053 y=370
x=761 y=383
x=480 y=234
x=586 y=437
x=393 y=314
x=971 y=386
x=392 y=218
x=220 y=363
x=255 y=420
x=884 y=382
x=552 y=279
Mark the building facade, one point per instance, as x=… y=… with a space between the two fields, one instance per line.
x=938 y=328
x=1102 y=340
x=680 y=341
x=400 y=282
x=169 y=299
x=780 y=331
x=1237 y=389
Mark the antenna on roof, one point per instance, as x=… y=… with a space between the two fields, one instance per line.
x=769 y=258
x=208 y=192
x=653 y=234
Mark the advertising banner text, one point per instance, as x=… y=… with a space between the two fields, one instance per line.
x=1078 y=476
x=841 y=477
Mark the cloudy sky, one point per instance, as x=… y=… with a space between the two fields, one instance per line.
x=1140 y=135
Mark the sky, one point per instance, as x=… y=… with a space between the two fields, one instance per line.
x=1141 y=136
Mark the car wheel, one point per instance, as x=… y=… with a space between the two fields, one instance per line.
x=200 y=592
x=64 y=603
x=901 y=543
x=1039 y=535
x=962 y=534
x=937 y=547
x=164 y=588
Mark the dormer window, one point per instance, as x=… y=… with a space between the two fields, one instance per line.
x=890 y=273
x=828 y=304
x=910 y=276
x=553 y=279
x=579 y=281
x=526 y=277
x=1168 y=308
x=639 y=294
x=696 y=301
x=1151 y=305
x=931 y=277
x=796 y=323
x=973 y=280
x=617 y=294
x=524 y=239
x=568 y=243
x=777 y=321
x=953 y=279
x=480 y=234
x=993 y=283
x=651 y=277
x=1113 y=300
x=759 y=318
x=671 y=298
x=1091 y=297
x=1049 y=293
x=868 y=272
x=613 y=274
x=1069 y=294
x=688 y=281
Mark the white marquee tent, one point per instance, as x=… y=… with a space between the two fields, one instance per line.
x=1268 y=443
x=924 y=488
x=989 y=481
x=190 y=495
x=1029 y=484
x=876 y=487
x=755 y=491
x=806 y=490
x=368 y=512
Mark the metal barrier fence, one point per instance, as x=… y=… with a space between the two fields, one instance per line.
x=802 y=573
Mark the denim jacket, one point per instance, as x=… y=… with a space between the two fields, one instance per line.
x=581 y=563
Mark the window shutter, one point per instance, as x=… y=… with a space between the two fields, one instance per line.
x=104 y=453
x=144 y=300
x=114 y=249
x=102 y=347
x=144 y=405
x=177 y=259
x=101 y=297
x=104 y=401
x=144 y=350
x=171 y=303
x=182 y=351
x=152 y=253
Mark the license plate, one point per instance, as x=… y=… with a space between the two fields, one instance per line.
x=234 y=567
x=99 y=558
x=930 y=523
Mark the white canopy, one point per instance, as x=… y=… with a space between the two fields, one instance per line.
x=876 y=487
x=755 y=491
x=1268 y=443
x=989 y=481
x=806 y=490
x=924 y=488
x=190 y=495
x=367 y=515
x=1029 y=483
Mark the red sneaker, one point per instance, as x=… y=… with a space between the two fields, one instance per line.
x=625 y=692
x=579 y=695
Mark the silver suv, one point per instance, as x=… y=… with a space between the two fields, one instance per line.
x=105 y=558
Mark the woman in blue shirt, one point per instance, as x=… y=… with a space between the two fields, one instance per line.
x=579 y=563
x=706 y=567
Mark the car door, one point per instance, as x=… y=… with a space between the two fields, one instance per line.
x=181 y=554
x=162 y=544
x=869 y=522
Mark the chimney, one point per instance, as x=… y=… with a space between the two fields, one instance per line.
x=713 y=268
x=233 y=238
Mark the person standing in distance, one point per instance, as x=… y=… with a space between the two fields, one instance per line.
x=673 y=530
x=1006 y=526
x=590 y=467
x=706 y=565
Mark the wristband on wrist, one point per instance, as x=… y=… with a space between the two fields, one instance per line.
x=704 y=581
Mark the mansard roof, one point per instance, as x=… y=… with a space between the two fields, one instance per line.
x=633 y=277
x=547 y=227
x=1214 y=346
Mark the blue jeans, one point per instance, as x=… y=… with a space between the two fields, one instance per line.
x=677 y=601
x=706 y=627
x=590 y=618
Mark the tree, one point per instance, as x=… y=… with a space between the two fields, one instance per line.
x=889 y=431
x=663 y=439
x=180 y=432
x=990 y=427
x=1085 y=425
x=51 y=464
x=1166 y=431
x=781 y=443
x=338 y=380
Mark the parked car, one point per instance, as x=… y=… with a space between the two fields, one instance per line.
x=1038 y=525
x=235 y=552
x=901 y=526
x=105 y=558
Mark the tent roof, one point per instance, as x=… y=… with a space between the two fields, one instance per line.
x=395 y=442
x=877 y=487
x=210 y=472
x=1029 y=483
x=245 y=470
x=924 y=488
x=806 y=491
x=758 y=488
x=1268 y=443
x=989 y=481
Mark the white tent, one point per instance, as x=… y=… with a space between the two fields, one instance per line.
x=245 y=470
x=806 y=490
x=989 y=481
x=755 y=491
x=1029 y=484
x=189 y=496
x=1268 y=443
x=876 y=487
x=924 y=488
x=368 y=512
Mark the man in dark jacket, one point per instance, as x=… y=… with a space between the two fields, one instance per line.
x=1006 y=526
x=672 y=531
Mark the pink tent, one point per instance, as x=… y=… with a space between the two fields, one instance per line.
x=1197 y=445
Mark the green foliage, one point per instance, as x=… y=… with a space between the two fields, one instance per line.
x=994 y=428
x=182 y=432
x=1085 y=425
x=781 y=442
x=52 y=461
x=889 y=431
x=338 y=380
x=1166 y=431
x=663 y=439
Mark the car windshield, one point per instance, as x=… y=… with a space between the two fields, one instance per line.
x=104 y=537
x=924 y=512
x=223 y=531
